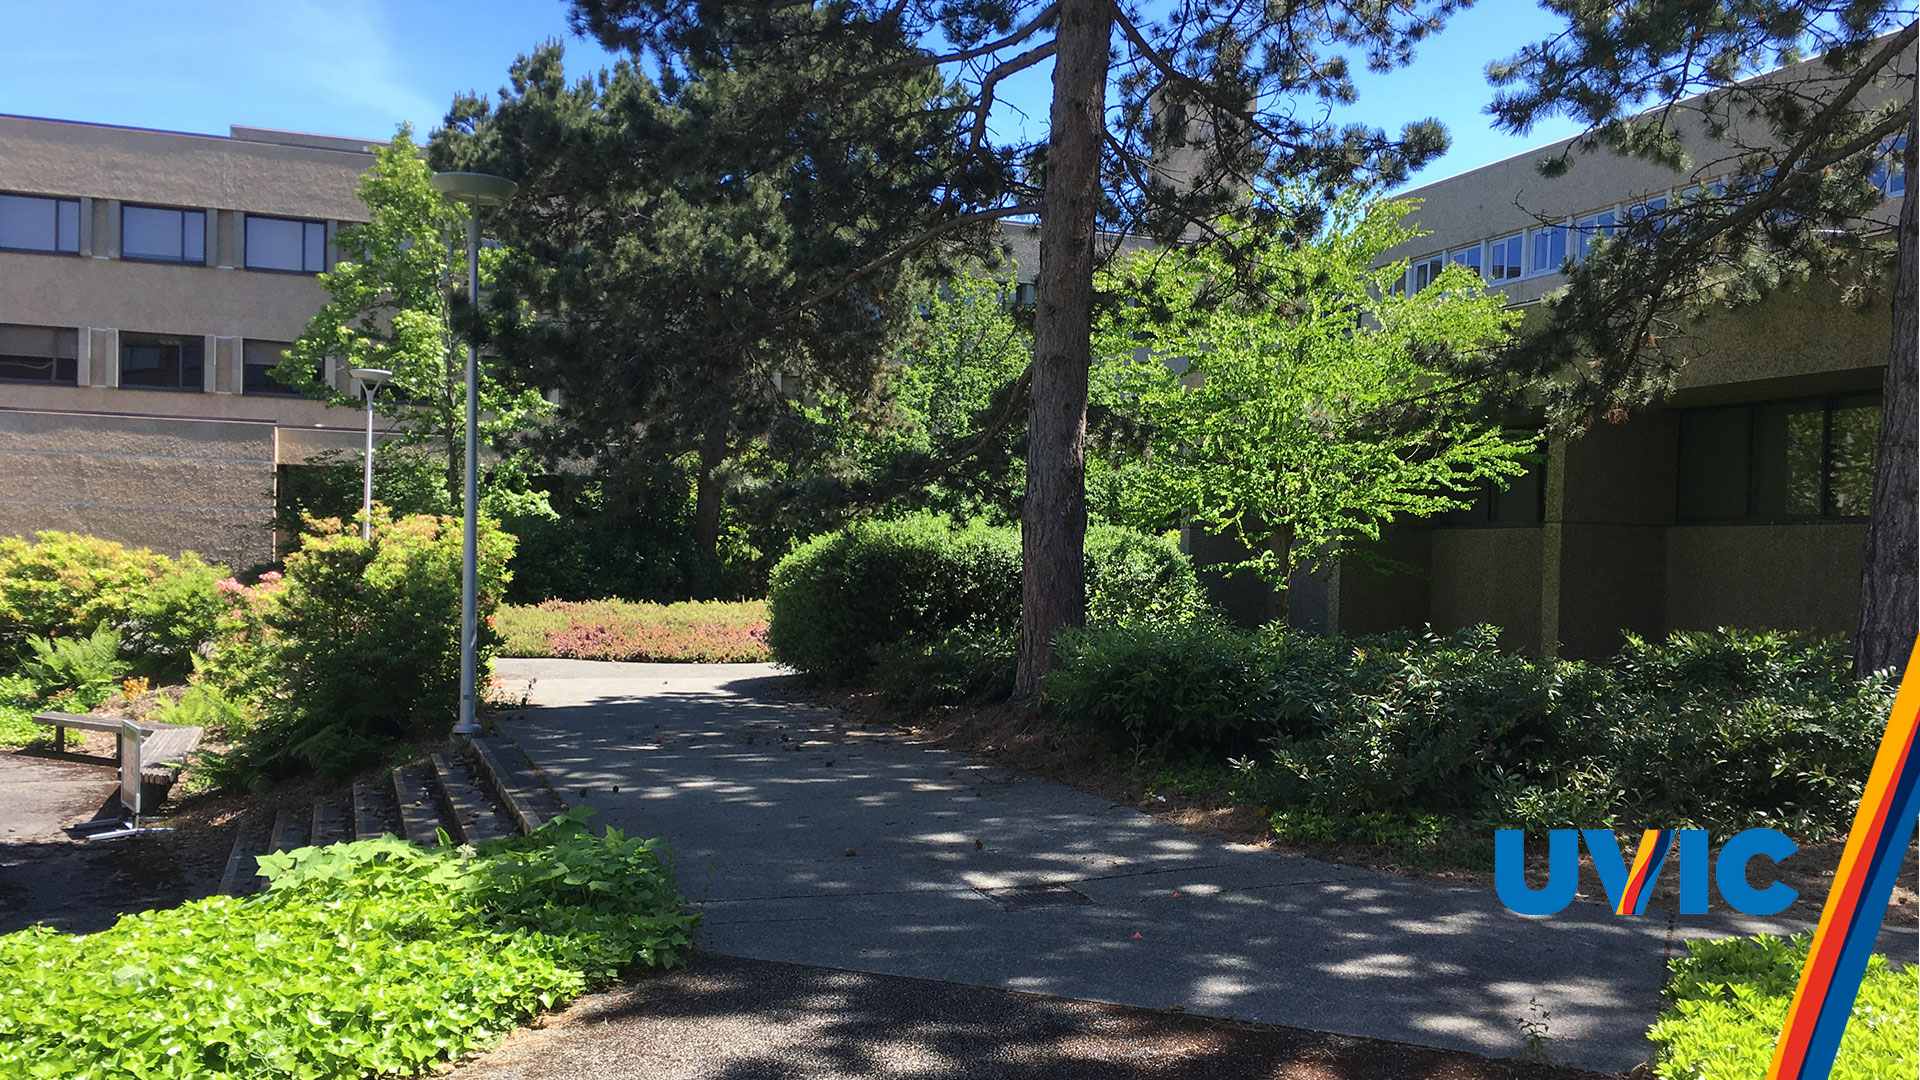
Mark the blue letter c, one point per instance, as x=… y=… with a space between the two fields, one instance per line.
x=1730 y=872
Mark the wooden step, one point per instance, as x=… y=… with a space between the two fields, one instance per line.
x=529 y=798
x=373 y=810
x=288 y=832
x=419 y=805
x=475 y=816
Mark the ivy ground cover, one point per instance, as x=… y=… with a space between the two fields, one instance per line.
x=695 y=631
x=369 y=958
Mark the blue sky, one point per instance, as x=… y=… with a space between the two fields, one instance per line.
x=359 y=67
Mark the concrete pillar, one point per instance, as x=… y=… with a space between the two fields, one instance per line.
x=83 y=352
x=86 y=233
x=239 y=238
x=107 y=348
x=212 y=253
x=113 y=230
x=209 y=364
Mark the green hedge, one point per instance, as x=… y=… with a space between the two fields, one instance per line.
x=877 y=585
x=370 y=958
x=1728 y=1002
x=1716 y=730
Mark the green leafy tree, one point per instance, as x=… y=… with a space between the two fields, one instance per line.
x=1807 y=152
x=390 y=305
x=1214 y=104
x=1293 y=397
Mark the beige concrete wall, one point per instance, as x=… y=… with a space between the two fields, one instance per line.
x=1367 y=599
x=55 y=290
x=167 y=484
x=1802 y=576
x=50 y=157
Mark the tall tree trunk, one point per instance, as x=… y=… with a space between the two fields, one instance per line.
x=1889 y=600
x=1281 y=544
x=1053 y=520
x=706 y=511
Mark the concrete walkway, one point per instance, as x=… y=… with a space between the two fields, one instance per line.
x=807 y=843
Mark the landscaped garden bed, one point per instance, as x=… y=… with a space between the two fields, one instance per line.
x=693 y=631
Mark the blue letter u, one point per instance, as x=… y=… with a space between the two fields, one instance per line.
x=1510 y=865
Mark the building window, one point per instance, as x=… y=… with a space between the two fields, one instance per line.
x=1468 y=257
x=1779 y=460
x=258 y=359
x=284 y=244
x=1890 y=172
x=41 y=354
x=33 y=223
x=1549 y=249
x=1425 y=270
x=1589 y=229
x=164 y=361
x=1503 y=258
x=1024 y=295
x=1522 y=501
x=160 y=235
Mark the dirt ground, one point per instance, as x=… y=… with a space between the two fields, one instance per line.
x=1017 y=736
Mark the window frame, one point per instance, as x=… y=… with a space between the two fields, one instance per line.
x=1521 y=238
x=53 y=379
x=58 y=201
x=1487 y=502
x=1829 y=404
x=180 y=342
x=278 y=389
x=183 y=211
x=246 y=244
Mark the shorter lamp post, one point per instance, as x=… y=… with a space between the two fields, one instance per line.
x=478 y=191
x=371 y=379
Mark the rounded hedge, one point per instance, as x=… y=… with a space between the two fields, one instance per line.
x=837 y=598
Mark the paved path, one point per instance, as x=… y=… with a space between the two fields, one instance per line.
x=806 y=842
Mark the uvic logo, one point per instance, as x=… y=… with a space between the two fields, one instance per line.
x=1629 y=887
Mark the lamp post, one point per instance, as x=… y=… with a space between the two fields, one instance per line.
x=371 y=379
x=477 y=191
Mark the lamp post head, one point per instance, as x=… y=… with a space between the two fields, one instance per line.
x=475 y=189
x=372 y=378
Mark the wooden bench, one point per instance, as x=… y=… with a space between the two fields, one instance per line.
x=160 y=744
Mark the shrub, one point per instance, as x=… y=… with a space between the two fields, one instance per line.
x=714 y=631
x=838 y=597
x=66 y=585
x=961 y=667
x=370 y=958
x=1170 y=688
x=361 y=639
x=1729 y=1000
x=76 y=669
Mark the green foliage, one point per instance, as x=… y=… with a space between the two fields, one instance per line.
x=204 y=706
x=1301 y=402
x=63 y=585
x=960 y=667
x=1167 y=688
x=1729 y=999
x=79 y=670
x=1722 y=731
x=695 y=631
x=884 y=583
x=19 y=700
x=361 y=643
x=375 y=957
x=389 y=308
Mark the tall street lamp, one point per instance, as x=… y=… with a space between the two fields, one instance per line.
x=478 y=191
x=371 y=379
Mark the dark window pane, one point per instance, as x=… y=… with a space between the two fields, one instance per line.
x=66 y=369
x=193 y=364
x=275 y=244
x=1519 y=502
x=1856 y=434
x=314 y=249
x=1713 y=465
x=26 y=368
x=1787 y=441
x=193 y=236
x=39 y=353
x=67 y=226
x=162 y=361
x=260 y=358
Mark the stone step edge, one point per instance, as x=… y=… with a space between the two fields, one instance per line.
x=520 y=802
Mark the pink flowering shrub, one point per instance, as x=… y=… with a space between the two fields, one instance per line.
x=715 y=632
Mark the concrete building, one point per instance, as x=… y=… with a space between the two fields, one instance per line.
x=148 y=282
x=1740 y=501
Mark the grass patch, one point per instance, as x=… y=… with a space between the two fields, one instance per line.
x=695 y=631
x=1729 y=999
x=375 y=957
